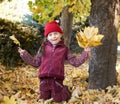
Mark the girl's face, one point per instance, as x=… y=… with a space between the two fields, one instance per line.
x=54 y=37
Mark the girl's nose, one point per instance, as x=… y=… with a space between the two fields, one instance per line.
x=53 y=36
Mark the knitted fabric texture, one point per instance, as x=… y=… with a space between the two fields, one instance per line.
x=52 y=27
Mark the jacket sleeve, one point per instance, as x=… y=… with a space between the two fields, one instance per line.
x=33 y=61
x=77 y=61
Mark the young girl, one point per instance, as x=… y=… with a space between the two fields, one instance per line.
x=51 y=59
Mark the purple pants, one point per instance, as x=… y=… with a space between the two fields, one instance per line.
x=53 y=88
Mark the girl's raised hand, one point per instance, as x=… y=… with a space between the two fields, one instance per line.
x=88 y=49
x=21 y=51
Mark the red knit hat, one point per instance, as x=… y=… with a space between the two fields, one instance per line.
x=52 y=27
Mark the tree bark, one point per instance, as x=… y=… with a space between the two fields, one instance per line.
x=102 y=64
x=66 y=24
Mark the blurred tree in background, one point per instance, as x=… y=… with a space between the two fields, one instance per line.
x=102 y=68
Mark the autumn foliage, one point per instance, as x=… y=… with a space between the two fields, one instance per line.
x=21 y=86
x=89 y=37
x=43 y=10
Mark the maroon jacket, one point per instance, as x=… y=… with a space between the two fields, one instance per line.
x=52 y=62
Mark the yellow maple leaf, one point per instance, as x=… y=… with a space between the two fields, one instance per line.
x=89 y=37
x=15 y=40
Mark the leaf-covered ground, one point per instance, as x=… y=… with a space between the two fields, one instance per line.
x=21 y=86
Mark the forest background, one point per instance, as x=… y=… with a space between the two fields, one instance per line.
x=16 y=19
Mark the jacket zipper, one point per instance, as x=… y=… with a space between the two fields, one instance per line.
x=53 y=49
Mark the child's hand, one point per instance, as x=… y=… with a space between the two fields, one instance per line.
x=88 y=50
x=21 y=51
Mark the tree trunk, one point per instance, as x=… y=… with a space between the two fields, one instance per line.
x=66 y=23
x=102 y=64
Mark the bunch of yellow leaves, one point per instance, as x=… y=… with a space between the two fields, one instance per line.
x=15 y=40
x=89 y=37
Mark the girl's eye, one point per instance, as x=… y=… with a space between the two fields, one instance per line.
x=50 y=34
